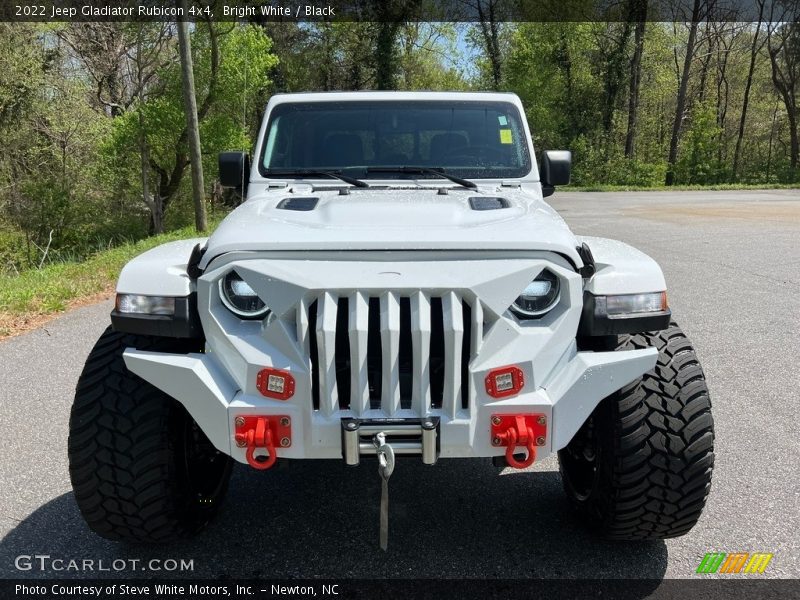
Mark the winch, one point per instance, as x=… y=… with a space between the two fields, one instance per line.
x=408 y=437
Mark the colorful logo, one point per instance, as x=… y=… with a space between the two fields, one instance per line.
x=737 y=562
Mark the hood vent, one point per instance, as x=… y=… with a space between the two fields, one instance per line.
x=299 y=204
x=487 y=203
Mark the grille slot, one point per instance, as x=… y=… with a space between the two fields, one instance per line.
x=466 y=311
x=342 y=356
x=437 y=353
x=374 y=356
x=312 y=343
x=390 y=352
x=406 y=357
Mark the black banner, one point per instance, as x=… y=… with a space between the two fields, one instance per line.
x=395 y=10
x=462 y=589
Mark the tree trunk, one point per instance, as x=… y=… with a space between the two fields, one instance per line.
x=635 y=82
x=391 y=14
x=615 y=74
x=681 y=101
x=723 y=91
x=192 y=123
x=785 y=83
x=386 y=56
x=156 y=217
x=771 y=138
x=153 y=202
x=794 y=141
x=746 y=100
x=490 y=30
x=706 y=62
x=563 y=59
x=794 y=145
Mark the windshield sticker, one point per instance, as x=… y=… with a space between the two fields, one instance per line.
x=502 y=120
x=505 y=136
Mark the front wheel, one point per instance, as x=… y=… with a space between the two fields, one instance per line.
x=640 y=467
x=141 y=468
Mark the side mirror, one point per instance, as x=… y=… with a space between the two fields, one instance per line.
x=556 y=166
x=234 y=170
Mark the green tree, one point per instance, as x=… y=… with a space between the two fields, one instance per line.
x=428 y=58
x=231 y=68
x=698 y=159
x=50 y=134
x=550 y=67
x=783 y=43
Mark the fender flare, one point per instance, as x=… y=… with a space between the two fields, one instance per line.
x=621 y=269
x=162 y=271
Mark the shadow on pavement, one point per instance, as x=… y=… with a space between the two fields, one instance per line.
x=320 y=519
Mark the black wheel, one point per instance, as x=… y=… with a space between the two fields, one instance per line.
x=141 y=468
x=640 y=467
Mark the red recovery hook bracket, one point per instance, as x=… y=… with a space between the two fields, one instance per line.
x=254 y=432
x=515 y=430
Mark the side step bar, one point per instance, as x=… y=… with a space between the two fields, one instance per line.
x=414 y=437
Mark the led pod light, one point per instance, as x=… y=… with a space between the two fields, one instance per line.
x=505 y=381
x=274 y=383
x=241 y=299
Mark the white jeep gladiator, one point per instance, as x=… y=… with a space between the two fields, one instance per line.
x=393 y=285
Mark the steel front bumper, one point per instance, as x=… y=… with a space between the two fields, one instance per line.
x=566 y=398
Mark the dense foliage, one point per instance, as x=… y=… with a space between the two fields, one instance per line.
x=94 y=136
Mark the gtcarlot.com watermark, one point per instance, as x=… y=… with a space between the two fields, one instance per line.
x=47 y=563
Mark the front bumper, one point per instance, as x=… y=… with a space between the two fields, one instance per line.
x=214 y=401
x=397 y=336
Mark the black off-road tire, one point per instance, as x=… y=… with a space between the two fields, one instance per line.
x=640 y=467
x=141 y=468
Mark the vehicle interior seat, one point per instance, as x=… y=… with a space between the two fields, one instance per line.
x=342 y=150
x=443 y=145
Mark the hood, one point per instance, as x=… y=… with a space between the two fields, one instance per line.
x=419 y=218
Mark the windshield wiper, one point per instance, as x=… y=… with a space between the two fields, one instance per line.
x=415 y=169
x=314 y=173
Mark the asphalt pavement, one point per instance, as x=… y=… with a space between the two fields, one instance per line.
x=732 y=266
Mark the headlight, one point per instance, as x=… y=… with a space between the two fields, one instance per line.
x=539 y=297
x=240 y=298
x=145 y=305
x=630 y=305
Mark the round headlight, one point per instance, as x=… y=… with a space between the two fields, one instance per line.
x=240 y=298
x=539 y=297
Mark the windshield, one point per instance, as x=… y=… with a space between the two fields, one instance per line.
x=468 y=139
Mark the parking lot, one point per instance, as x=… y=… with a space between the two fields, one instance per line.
x=732 y=265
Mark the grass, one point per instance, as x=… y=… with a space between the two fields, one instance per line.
x=29 y=297
x=679 y=188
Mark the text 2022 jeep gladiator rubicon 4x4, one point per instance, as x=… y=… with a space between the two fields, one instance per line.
x=393 y=285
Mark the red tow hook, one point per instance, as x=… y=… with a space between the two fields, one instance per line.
x=515 y=430
x=254 y=432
